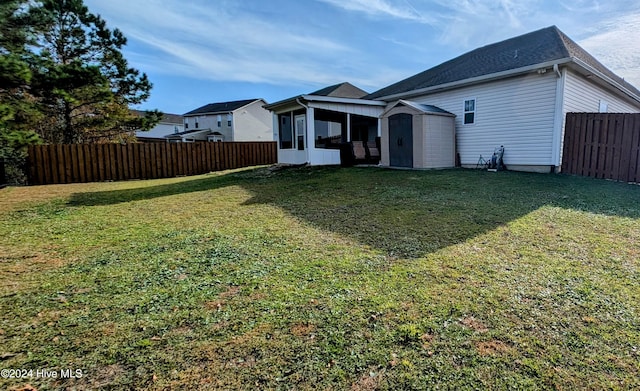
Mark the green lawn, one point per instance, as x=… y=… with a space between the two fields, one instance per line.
x=324 y=278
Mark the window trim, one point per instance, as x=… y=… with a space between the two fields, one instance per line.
x=281 y=122
x=603 y=106
x=219 y=118
x=465 y=112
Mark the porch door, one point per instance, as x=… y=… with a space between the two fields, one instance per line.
x=301 y=129
x=401 y=140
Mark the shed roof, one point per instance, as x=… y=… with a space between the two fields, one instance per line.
x=429 y=109
x=420 y=107
x=221 y=107
x=538 y=47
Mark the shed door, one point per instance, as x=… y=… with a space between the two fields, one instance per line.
x=401 y=140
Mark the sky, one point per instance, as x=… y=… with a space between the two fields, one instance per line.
x=197 y=52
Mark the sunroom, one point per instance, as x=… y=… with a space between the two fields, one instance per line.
x=313 y=128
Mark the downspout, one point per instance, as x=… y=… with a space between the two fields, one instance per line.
x=558 y=125
x=302 y=104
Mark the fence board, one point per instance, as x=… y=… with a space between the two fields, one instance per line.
x=634 y=159
x=602 y=145
x=78 y=163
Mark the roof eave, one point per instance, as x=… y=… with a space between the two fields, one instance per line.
x=631 y=94
x=288 y=103
x=191 y=113
x=281 y=104
x=207 y=113
x=475 y=80
x=331 y=99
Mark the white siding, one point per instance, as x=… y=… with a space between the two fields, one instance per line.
x=583 y=96
x=364 y=110
x=210 y=122
x=252 y=123
x=160 y=130
x=517 y=113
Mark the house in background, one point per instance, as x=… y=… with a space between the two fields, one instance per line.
x=243 y=120
x=169 y=124
x=514 y=93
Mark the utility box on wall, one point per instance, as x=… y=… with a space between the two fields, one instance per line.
x=416 y=135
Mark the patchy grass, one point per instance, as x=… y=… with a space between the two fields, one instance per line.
x=324 y=278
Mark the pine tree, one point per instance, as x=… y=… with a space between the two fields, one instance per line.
x=18 y=108
x=85 y=83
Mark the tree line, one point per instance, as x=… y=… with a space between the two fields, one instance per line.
x=64 y=79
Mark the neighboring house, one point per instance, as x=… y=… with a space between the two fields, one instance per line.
x=514 y=93
x=243 y=120
x=169 y=124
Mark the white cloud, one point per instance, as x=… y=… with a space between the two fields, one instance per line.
x=478 y=22
x=230 y=44
x=395 y=9
x=235 y=42
x=615 y=44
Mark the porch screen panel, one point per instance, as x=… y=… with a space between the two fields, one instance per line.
x=285 y=131
x=330 y=129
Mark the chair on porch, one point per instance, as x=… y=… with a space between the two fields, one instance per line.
x=374 y=152
x=359 y=153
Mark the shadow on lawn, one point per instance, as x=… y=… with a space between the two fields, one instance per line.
x=404 y=213
x=113 y=197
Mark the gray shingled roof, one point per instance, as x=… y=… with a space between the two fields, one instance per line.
x=542 y=46
x=166 y=118
x=221 y=107
x=342 y=90
x=172 y=119
x=426 y=108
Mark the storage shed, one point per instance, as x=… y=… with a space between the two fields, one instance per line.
x=417 y=135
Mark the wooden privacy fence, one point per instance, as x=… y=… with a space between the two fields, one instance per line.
x=602 y=145
x=48 y=164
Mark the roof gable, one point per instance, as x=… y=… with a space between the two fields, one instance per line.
x=342 y=90
x=418 y=108
x=538 y=47
x=221 y=107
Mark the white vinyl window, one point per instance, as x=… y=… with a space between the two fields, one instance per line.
x=603 y=106
x=229 y=117
x=469 y=111
x=219 y=120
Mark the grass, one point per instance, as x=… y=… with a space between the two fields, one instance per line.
x=324 y=278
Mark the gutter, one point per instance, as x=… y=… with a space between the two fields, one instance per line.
x=607 y=79
x=331 y=99
x=302 y=104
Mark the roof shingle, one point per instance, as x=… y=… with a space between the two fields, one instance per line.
x=342 y=90
x=221 y=107
x=537 y=47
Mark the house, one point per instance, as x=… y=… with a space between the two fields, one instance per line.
x=169 y=124
x=242 y=120
x=514 y=93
